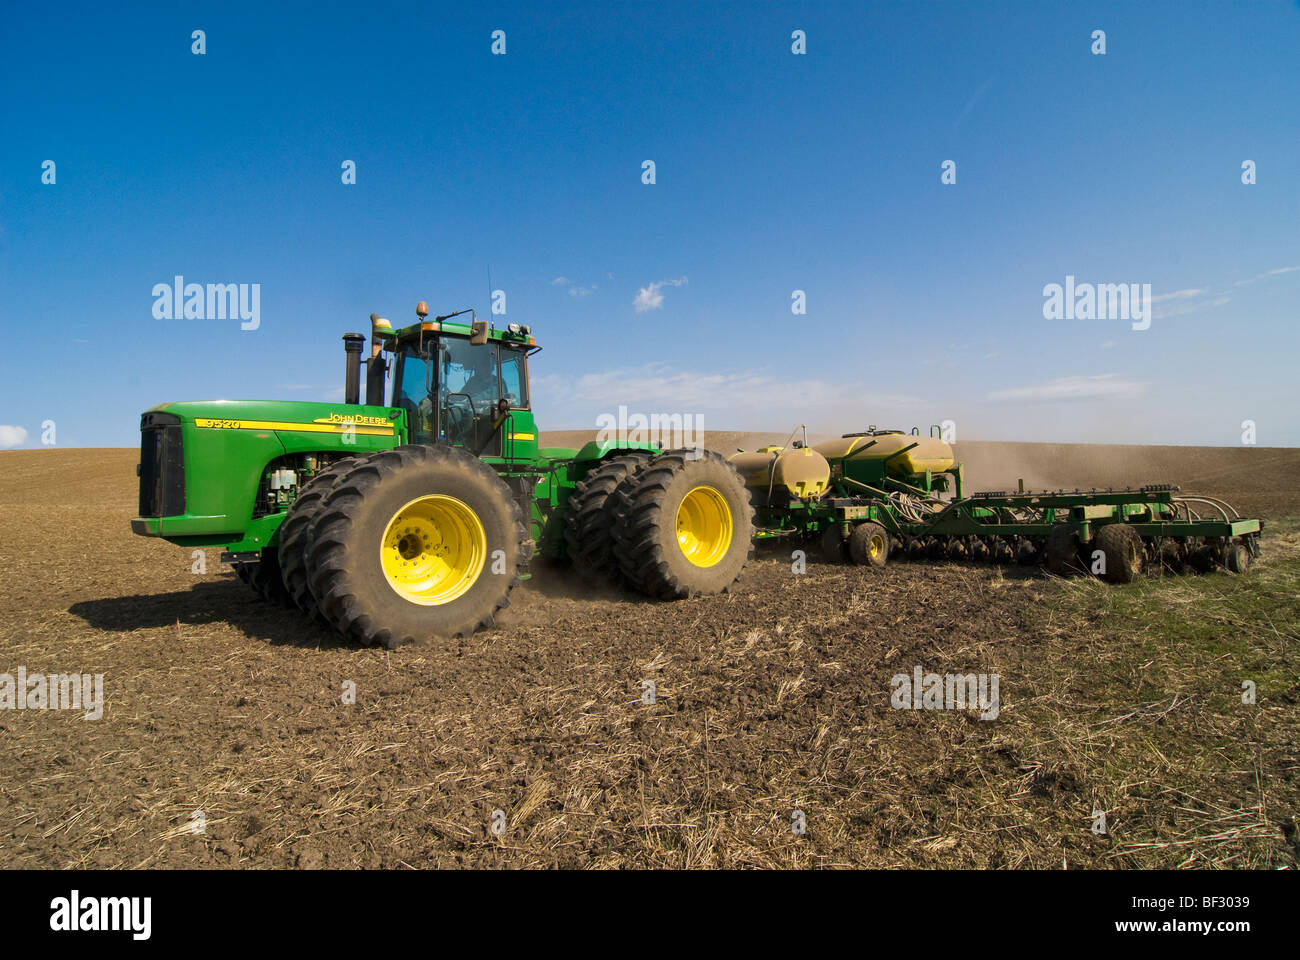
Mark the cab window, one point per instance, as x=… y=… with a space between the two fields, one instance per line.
x=514 y=384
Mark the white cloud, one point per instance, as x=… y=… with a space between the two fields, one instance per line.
x=11 y=436
x=1179 y=295
x=651 y=297
x=1104 y=386
x=1178 y=310
x=1270 y=273
x=575 y=289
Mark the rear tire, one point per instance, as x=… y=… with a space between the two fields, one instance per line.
x=417 y=542
x=686 y=527
x=1122 y=548
x=592 y=514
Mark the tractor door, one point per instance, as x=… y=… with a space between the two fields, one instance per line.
x=469 y=396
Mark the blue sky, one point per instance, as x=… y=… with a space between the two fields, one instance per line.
x=774 y=173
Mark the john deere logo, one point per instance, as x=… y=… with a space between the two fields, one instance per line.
x=352 y=418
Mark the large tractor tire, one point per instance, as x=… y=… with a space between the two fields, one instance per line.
x=686 y=527
x=265 y=578
x=294 y=531
x=417 y=542
x=589 y=524
x=1122 y=548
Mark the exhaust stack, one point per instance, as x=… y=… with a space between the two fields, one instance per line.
x=352 y=379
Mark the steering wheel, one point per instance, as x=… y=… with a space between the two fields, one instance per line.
x=460 y=418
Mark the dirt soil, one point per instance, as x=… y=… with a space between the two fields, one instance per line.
x=770 y=701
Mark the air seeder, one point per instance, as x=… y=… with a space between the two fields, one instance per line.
x=418 y=517
x=879 y=493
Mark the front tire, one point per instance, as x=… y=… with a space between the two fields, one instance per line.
x=294 y=534
x=265 y=578
x=417 y=542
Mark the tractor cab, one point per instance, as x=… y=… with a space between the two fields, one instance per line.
x=465 y=385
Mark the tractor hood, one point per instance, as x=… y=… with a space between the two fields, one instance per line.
x=284 y=416
x=203 y=463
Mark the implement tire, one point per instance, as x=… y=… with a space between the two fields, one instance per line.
x=834 y=546
x=591 y=516
x=1122 y=548
x=685 y=528
x=869 y=545
x=417 y=542
x=1062 y=550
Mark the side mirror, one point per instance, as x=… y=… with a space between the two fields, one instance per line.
x=478 y=333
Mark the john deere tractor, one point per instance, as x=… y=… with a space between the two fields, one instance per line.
x=418 y=517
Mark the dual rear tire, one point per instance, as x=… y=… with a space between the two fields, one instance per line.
x=676 y=525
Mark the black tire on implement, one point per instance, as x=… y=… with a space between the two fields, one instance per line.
x=834 y=546
x=1122 y=548
x=591 y=516
x=646 y=537
x=294 y=530
x=347 y=539
x=1236 y=557
x=869 y=545
x=265 y=578
x=1062 y=550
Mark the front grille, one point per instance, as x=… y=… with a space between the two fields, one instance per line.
x=162 y=466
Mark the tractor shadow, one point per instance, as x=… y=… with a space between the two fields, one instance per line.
x=220 y=602
x=557 y=580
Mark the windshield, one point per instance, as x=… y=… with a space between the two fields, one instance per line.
x=470 y=381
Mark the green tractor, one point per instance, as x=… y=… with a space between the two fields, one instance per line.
x=415 y=518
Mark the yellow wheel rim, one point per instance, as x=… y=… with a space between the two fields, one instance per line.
x=433 y=550
x=876 y=546
x=704 y=526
